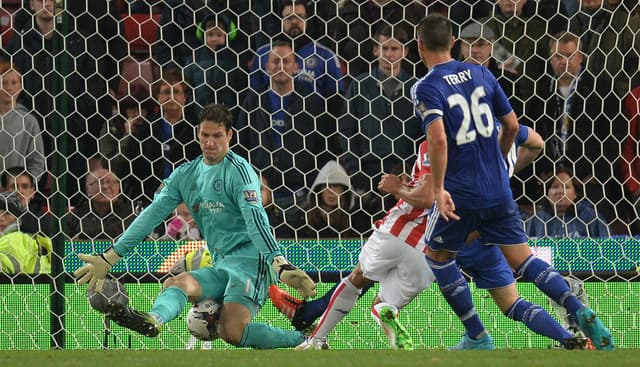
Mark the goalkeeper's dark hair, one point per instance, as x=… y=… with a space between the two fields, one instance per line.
x=217 y=113
x=436 y=32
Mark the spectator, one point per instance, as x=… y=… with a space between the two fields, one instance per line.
x=177 y=34
x=318 y=66
x=379 y=130
x=36 y=218
x=20 y=252
x=169 y=139
x=214 y=74
x=180 y=227
x=522 y=40
x=564 y=211
x=28 y=49
x=20 y=136
x=125 y=132
x=329 y=209
x=105 y=214
x=89 y=65
x=477 y=47
x=611 y=42
x=286 y=133
x=577 y=116
x=630 y=162
x=276 y=214
x=359 y=19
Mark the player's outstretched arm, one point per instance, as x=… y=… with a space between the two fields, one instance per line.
x=294 y=277
x=420 y=196
x=96 y=268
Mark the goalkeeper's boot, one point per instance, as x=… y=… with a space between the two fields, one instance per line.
x=311 y=343
x=398 y=336
x=289 y=306
x=138 y=321
x=486 y=343
x=576 y=342
x=594 y=329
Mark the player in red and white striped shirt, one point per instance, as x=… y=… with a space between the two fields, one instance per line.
x=403 y=220
x=393 y=256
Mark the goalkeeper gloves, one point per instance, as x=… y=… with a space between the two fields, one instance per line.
x=294 y=277
x=96 y=268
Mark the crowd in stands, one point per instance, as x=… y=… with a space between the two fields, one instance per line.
x=320 y=91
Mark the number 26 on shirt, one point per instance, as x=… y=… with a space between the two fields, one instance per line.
x=473 y=111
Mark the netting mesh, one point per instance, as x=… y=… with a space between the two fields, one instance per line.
x=99 y=102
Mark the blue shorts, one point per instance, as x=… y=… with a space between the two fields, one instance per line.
x=236 y=279
x=486 y=265
x=498 y=225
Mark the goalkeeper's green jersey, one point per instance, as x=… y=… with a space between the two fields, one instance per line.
x=225 y=202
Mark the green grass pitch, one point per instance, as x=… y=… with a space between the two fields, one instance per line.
x=368 y=358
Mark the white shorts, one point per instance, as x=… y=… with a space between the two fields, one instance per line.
x=401 y=270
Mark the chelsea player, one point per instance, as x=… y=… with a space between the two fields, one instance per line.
x=460 y=106
x=222 y=192
x=485 y=264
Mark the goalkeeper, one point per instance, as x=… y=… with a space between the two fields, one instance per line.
x=222 y=192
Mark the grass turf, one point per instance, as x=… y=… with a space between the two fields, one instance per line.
x=368 y=358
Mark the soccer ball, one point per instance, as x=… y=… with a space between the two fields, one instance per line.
x=202 y=319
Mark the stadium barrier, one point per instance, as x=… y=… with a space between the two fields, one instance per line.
x=607 y=266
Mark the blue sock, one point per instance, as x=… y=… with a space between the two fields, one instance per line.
x=262 y=336
x=537 y=319
x=169 y=304
x=456 y=291
x=314 y=309
x=550 y=282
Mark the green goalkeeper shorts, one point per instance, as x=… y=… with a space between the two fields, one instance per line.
x=236 y=279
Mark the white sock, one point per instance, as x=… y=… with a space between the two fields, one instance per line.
x=191 y=343
x=341 y=303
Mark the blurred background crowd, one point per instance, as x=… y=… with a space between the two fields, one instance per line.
x=320 y=94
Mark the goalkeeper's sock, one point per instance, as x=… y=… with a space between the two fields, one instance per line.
x=314 y=309
x=262 y=336
x=537 y=319
x=341 y=303
x=456 y=291
x=550 y=282
x=169 y=304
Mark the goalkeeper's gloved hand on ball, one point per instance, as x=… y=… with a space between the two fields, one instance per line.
x=294 y=277
x=96 y=268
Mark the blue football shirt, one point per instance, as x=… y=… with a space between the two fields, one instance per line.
x=468 y=99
